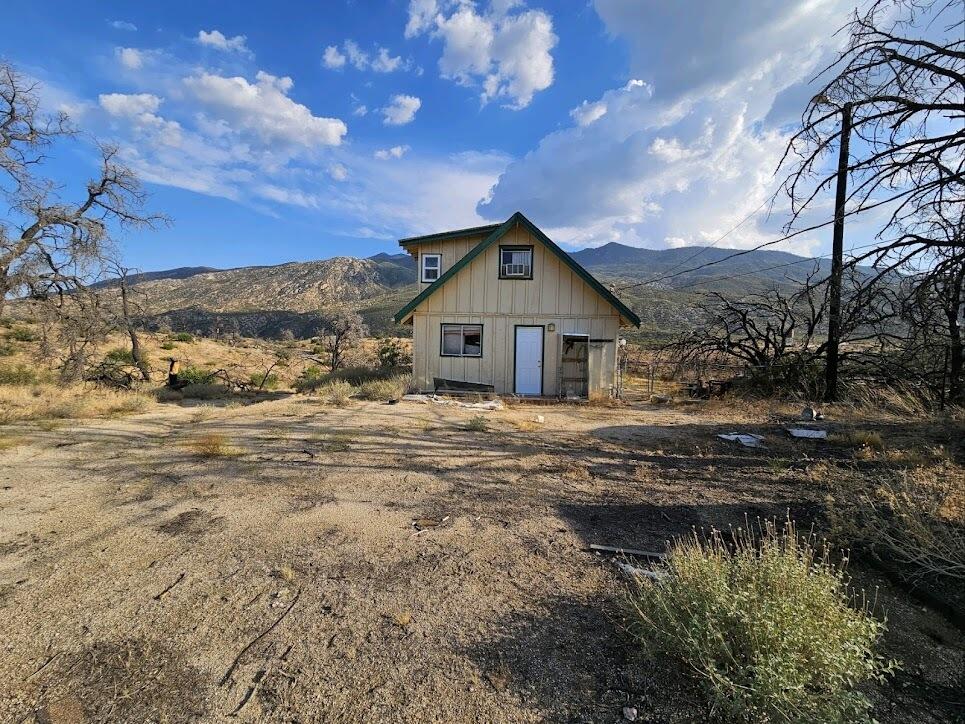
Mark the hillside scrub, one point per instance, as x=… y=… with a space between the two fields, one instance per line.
x=389 y=389
x=765 y=625
x=46 y=401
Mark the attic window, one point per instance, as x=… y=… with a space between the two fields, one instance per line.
x=431 y=266
x=515 y=262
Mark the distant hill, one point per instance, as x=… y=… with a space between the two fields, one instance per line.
x=268 y=300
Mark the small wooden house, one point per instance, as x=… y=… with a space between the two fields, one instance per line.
x=502 y=308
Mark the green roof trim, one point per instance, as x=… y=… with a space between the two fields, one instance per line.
x=498 y=233
x=441 y=236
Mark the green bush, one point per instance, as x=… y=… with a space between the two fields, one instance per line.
x=6 y=349
x=23 y=334
x=182 y=337
x=311 y=379
x=260 y=381
x=765 y=625
x=17 y=375
x=390 y=389
x=168 y=345
x=192 y=375
x=393 y=353
x=120 y=355
x=477 y=423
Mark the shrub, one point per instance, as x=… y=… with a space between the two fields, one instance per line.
x=390 y=389
x=477 y=423
x=23 y=334
x=764 y=625
x=857 y=440
x=310 y=379
x=337 y=393
x=260 y=381
x=20 y=375
x=119 y=355
x=192 y=375
x=166 y=394
x=6 y=349
x=204 y=391
x=393 y=353
x=168 y=345
x=357 y=376
x=212 y=445
x=182 y=337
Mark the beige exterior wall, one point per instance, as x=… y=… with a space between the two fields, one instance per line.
x=476 y=295
x=452 y=250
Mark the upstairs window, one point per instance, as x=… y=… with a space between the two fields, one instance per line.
x=515 y=262
x=462 y=340
x=431 y=267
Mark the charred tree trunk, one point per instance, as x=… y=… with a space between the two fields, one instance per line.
x=953 y=310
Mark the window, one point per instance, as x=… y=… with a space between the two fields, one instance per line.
x=431 y=267
x=515 y=262
x=462 y=340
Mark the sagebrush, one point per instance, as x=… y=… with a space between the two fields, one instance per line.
x=766 y=624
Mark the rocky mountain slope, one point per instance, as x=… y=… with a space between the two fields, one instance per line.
x=268 y=300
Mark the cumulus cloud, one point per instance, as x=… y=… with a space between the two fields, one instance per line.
x=217 y=39
x=382 y=61
x=130 y=58
x=505 y=48
x=585 y=113
x=140 y=109
x=264 y=109
x=384 y=154
x=331 y=58
x=683 y=151
x=401 y=110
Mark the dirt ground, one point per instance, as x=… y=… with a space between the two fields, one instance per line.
x=285 y=581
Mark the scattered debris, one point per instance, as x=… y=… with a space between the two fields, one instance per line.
x=540 y=419
x=806 y=433
x=597 y=548
x=659 y=399
x=630 y=713
x=631 y=571
x=259 y=637
x=489 y=405
x=421 y=524
x=746 y=439
x=809 y=413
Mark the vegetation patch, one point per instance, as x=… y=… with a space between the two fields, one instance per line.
x=767 y=627
x=20 y=375
x=212 y=445
x=477 y=423
x=389 y=389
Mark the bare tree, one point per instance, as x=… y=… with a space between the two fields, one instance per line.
x=48 y=244
x=907 y=95
x=130 y=314
x=341 y=330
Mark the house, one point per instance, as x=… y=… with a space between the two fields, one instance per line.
x=502 y=308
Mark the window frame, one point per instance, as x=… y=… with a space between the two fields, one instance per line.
x=422 y=267
x=516 y=247
x=462 y=326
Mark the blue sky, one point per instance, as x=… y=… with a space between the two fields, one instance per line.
x=281 y=131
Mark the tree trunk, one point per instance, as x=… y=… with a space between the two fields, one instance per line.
x=136 y=353
x=953 y=310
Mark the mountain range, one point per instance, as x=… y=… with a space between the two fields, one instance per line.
x=662 y=286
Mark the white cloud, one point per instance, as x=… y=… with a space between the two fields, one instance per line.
x=123 y=104
x=507 y=52
x=585 y=113
x=382 y=62
x=338 y=172
x=332 y=58
x=130 y=58
x=264 y=109
x=140 y=109
x=682 y=152
x=217 y=39
x=122 y=25
x=384 y=154
x=360 y=110
x=401 y=110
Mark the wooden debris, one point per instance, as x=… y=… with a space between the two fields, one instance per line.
x=162 y=594
x=421 y=524
x=259 y=637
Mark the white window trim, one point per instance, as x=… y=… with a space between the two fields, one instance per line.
x=422 y=267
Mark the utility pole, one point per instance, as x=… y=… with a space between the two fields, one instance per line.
x=837 y=261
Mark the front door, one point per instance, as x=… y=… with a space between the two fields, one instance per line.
x=529 y=361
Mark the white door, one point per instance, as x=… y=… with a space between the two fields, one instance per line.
x=529 y=361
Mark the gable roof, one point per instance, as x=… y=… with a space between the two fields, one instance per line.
x=495 y=235
x=442 y=236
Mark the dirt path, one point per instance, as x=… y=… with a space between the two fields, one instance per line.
x=140 y=581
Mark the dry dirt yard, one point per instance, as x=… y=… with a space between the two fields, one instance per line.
x=283 y=580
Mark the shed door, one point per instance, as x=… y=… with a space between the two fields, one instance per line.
x=529 y=361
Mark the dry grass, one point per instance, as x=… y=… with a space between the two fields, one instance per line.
x=336 y=393
x=46 y=402
x=8 y=442
x=477 y=423
x=381 y=390
x=212 y=445
x=863 y=442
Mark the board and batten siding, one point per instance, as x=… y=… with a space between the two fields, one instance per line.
x=476 y=295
